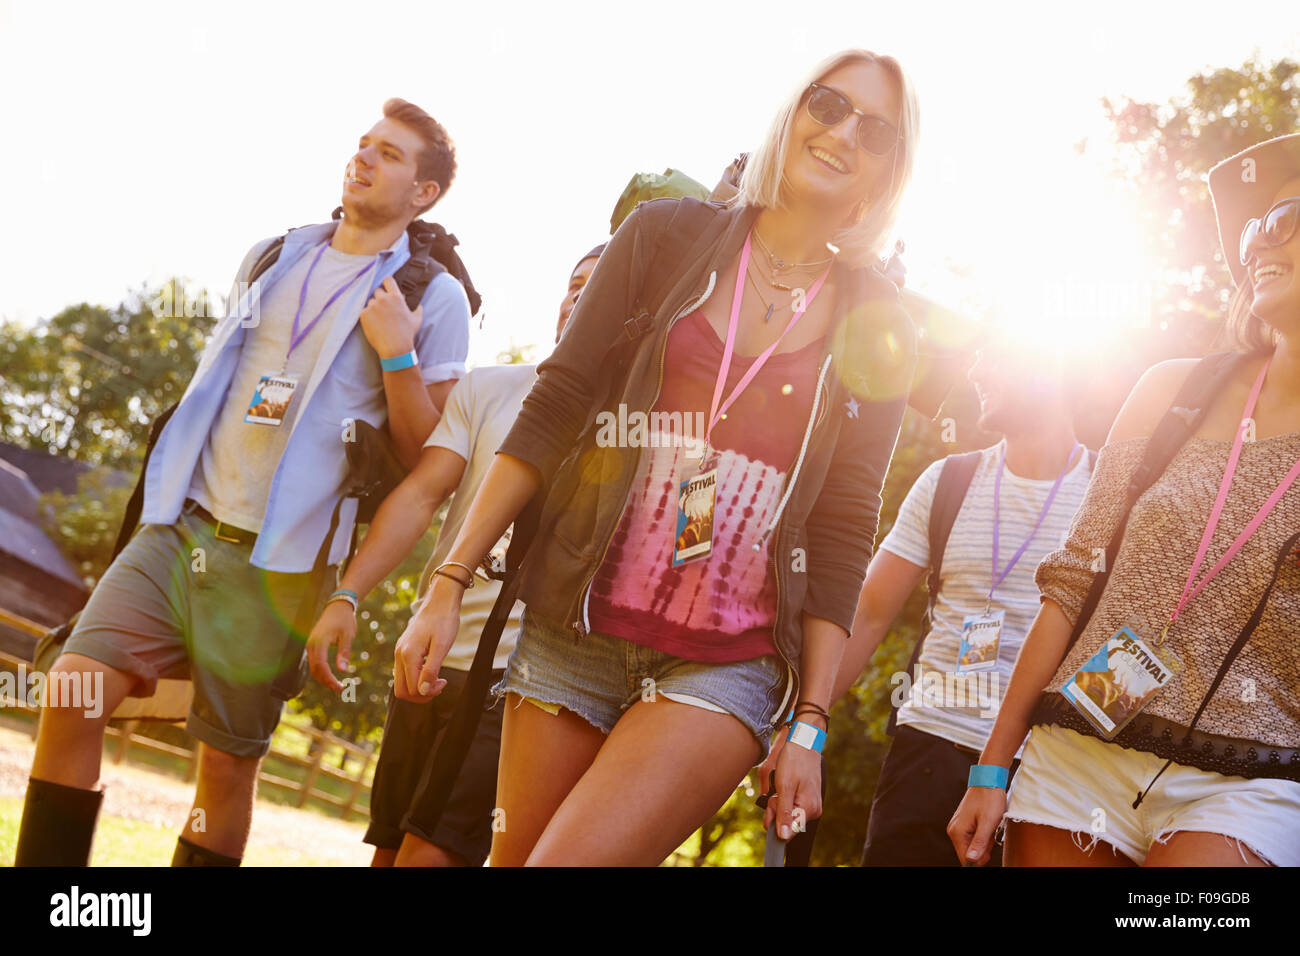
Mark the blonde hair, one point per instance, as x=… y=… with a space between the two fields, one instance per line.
x=760 y=184
x=1244 y=330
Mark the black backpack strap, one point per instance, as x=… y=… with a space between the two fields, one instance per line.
x=442 y=247
x=432 y=252
x=949 y=494
x=267 y=259
x=1188 y=409
x=135 y=504
x=444 y=764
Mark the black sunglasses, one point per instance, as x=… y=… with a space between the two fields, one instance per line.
x=1276 y=227
x=829 y=107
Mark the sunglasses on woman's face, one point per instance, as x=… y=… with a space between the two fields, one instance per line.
x=829 y=107
x=1275 y=228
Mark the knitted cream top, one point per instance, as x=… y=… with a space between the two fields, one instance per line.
x=1251 y=725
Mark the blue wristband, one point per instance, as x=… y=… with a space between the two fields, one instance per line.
x=399 y=362
x=347 y=595
x=808 y=736
x=987 y=775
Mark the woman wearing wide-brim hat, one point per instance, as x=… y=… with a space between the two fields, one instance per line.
x=1206 y=581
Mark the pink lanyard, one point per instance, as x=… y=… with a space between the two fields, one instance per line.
x=716 y=411
x=1265 y=509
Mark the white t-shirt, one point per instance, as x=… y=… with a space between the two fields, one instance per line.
x=233 y=477
x=480 y=411
x=936 y=699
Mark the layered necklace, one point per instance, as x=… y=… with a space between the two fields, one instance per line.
x=777 y=269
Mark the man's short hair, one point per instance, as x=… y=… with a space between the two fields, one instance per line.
x=437 y=160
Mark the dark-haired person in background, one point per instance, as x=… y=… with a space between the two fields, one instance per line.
x=238 y=500
x=1021 y=496
x=480 y=410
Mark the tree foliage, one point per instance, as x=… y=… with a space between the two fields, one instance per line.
x=84 y=525
x=1163 y=151
x=87 y=382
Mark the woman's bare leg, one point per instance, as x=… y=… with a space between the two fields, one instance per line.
x=542 y=756
x=1033 y=844
x=663 y=771
x=1191 y=848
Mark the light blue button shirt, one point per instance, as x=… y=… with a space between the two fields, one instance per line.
x=346 y=383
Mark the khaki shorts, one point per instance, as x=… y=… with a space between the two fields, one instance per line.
x=179 y=603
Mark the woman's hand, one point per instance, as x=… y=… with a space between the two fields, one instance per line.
x=426 y=641
x=798 y=791
x=972 y=826
x=337 y=625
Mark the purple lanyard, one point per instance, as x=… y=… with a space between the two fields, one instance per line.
x=296 y=337
x=997 y=497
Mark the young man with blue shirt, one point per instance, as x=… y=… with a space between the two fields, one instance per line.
x=240 y=488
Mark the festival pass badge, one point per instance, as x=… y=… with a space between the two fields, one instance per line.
x=271 y=399
x=1110 y=689
x=695 y=500
x=981 y=634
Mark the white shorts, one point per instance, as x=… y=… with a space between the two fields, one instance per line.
x=1085 y=785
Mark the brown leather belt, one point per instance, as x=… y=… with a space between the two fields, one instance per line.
x=220 y=530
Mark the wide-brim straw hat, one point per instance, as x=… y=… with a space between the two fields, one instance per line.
x=1242 y=188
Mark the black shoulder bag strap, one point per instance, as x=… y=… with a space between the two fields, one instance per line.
x=949 y=494
x=1179 y=423
x=685 y=235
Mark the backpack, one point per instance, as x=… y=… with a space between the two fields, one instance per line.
x=374 y=468
x=433 y=251
x=949 y=494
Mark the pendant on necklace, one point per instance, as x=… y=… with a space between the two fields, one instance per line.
x=770 y=307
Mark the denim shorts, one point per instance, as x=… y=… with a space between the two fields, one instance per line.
x=600 y=676
x=1072 y=782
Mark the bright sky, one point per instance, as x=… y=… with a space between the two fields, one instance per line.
x=145 y=140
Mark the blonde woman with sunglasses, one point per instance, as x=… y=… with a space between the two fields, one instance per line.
x=694 y=579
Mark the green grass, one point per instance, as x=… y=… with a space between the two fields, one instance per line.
x=123 y=842
x=285 y=739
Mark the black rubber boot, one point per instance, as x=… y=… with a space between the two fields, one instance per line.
x=58 y=825
x=191 y=854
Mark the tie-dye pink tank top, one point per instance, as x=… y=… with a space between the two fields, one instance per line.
x=721 y=608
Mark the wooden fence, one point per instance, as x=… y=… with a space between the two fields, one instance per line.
x=319 y=745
